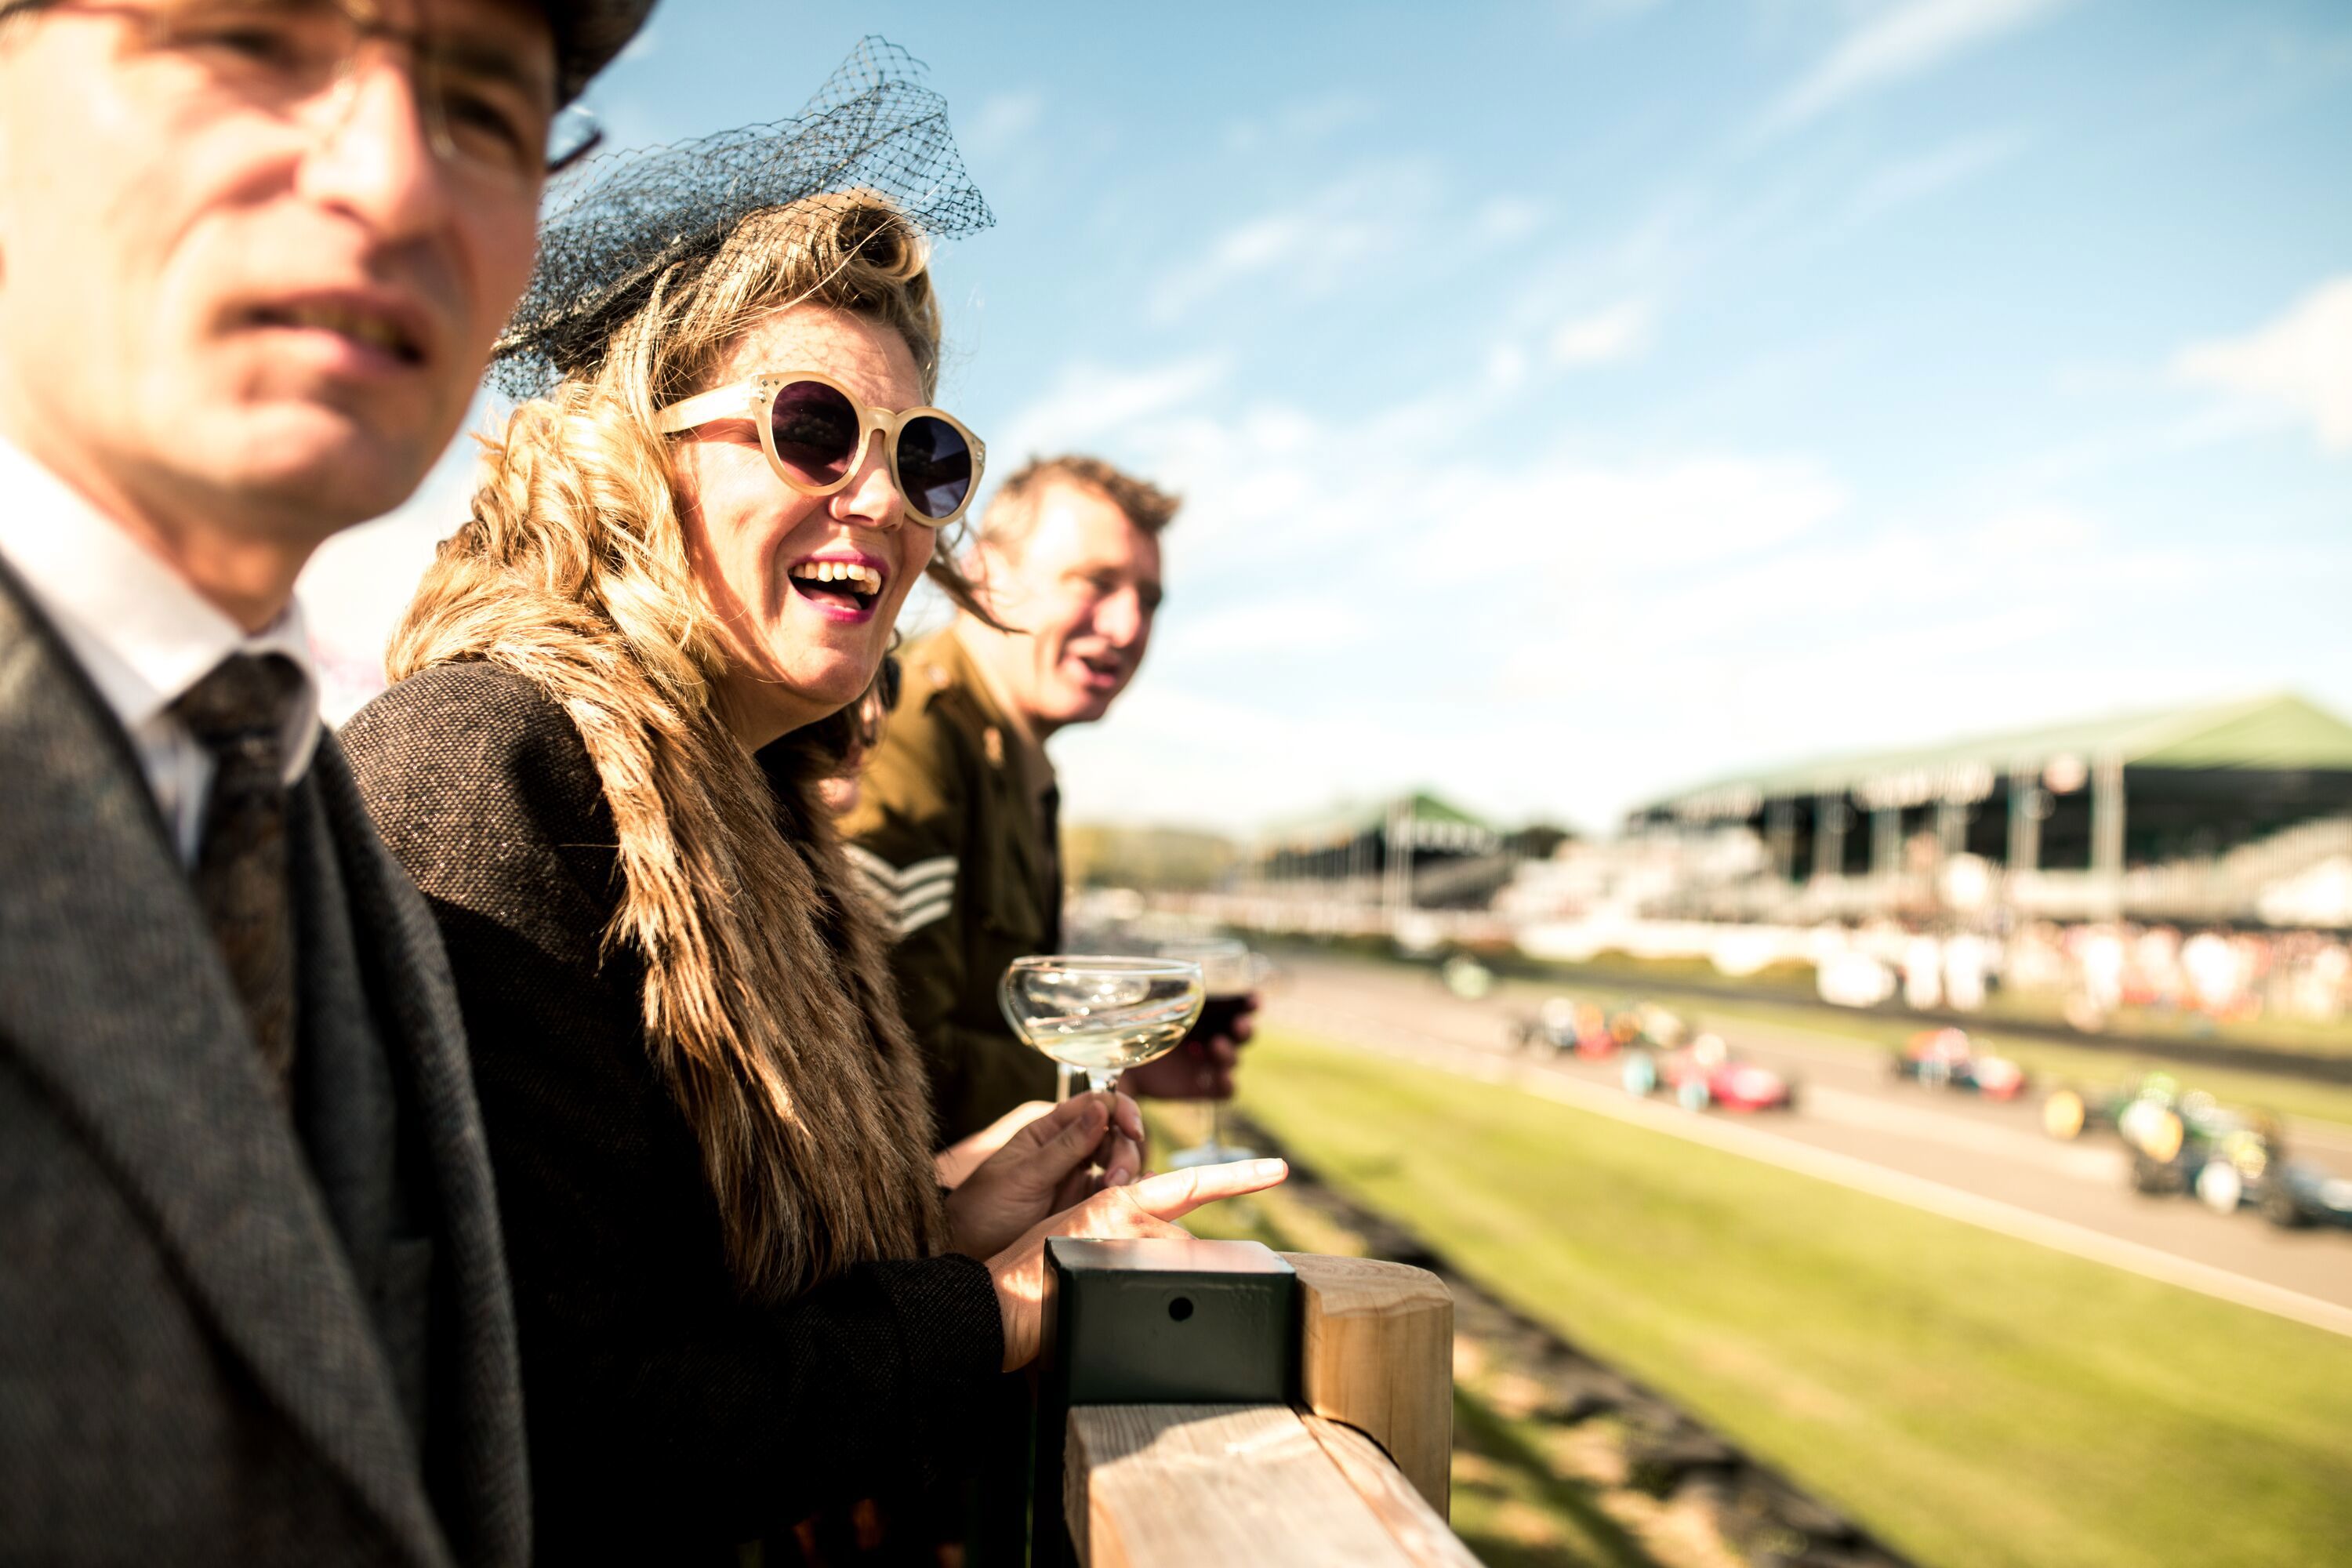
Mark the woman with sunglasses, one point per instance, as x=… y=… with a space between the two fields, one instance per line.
x=741 y=1297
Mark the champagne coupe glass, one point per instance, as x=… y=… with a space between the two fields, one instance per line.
x=1101 y=1012
x=1229 y=976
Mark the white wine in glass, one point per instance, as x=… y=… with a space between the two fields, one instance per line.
x=1229 y=976
x=1101 y=1014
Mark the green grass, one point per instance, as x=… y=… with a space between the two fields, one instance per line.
x=1510 y=1505
x=1513 y=1511
x=1975 y=1399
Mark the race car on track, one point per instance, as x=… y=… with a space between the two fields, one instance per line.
x=1553 y=1025
x=2069 y=1111
x=1706 y=1073
x=2229 y=1160
x=1563 y=1026
x=1466 y=977
x=1945 y=1059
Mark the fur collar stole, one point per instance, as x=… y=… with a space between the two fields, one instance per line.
x=768 y=1004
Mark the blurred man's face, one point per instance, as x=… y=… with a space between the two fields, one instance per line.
x=227 y=293
x=1081 y=590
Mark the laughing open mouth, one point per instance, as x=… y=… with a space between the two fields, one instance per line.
x=844 y=585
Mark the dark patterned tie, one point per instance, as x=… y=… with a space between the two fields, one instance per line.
x=239 y=713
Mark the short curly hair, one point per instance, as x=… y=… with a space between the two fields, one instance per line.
x=1013 y=512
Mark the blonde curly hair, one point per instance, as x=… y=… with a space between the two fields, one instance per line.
x=576 y=493
x=765 y=998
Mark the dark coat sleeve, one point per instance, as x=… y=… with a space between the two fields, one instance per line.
x=661 y=1408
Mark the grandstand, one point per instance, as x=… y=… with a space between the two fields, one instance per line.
x=1414 y=851
x=2237 y=812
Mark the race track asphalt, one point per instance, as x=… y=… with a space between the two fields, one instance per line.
x=1850 y=1105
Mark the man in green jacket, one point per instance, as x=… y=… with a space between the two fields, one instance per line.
x=957 y=826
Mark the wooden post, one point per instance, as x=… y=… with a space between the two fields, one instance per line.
x=1174 y=1486
x=1376 y=1352
x=1357 y=1478
x=1415 y=1526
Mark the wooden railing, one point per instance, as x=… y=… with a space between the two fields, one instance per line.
x=1352 y=1470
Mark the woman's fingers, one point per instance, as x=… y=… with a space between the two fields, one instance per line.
x=1172 y=1195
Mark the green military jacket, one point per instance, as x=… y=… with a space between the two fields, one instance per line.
x=948 y=839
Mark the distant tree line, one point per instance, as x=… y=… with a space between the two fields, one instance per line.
x=1155 y=859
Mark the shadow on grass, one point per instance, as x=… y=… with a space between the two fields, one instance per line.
x=1514 y=1511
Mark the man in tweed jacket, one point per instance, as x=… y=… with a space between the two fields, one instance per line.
x=253 y=1301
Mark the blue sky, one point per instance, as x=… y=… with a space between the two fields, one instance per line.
x=1576 y=400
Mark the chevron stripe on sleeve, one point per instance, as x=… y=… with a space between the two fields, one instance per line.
x=910 y=897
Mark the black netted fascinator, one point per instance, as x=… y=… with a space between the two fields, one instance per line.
x=622 y=223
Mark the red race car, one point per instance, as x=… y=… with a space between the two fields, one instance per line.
x=1706 y=1073
x=1945 y=1058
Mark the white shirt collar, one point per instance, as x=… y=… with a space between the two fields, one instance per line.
x=143 y=635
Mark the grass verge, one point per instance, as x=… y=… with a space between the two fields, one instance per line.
x=1512 y=1505
x=1976 y=1400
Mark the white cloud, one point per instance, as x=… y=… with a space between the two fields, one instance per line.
x=1907 y=180
x=1902 y=41
x=1307 y=246
x=1506 y=367
x=1087 y=402
x=1352 y=592
x=1504 y=218
x=1362 y=600
x=1286 y=623
x=1002 y=121
x=1619 y=332
x=1300 y=124
x=2299 y=363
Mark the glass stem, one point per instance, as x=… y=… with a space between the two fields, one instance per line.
x=1066 y=1078
x=1100 y=1082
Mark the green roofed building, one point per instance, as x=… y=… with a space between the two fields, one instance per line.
x=1415 y=850
x=2184 y=813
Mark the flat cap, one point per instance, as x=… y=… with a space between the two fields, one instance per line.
x=588 y=35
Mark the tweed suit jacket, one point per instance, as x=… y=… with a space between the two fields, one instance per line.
x=189 y=1369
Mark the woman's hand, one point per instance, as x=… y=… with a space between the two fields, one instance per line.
x=960 y=1159
x=1149 y=1207
x=1044 y=1168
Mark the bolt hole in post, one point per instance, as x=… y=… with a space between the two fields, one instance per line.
x=1101 y=1014
x=1229 y=978
x=1180 y=1307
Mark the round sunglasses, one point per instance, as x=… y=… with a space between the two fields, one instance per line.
x=815 y=432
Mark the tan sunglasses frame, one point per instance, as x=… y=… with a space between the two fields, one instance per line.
x=752 y=399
